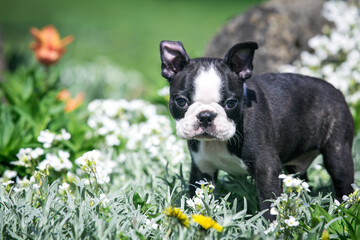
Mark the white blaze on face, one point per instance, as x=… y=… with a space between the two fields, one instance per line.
x=207 y=87
x=206 y=98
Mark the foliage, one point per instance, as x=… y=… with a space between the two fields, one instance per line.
x=115 y=170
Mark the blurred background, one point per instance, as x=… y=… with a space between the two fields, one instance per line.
x=117 y=41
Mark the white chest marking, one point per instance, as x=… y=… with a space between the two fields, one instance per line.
x=207 y=87
x=213 y=155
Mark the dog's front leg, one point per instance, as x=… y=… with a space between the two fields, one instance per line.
x=266 y=171
x=196 y=175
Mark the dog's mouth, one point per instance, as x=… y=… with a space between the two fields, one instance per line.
x=205 y=136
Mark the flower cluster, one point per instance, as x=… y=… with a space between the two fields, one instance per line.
x=57 y=161
x=353 y=197
x=138 y=126
x=96 y=166
x=47 y=138
x=196 y=203
x=336 y=56
x=27 y=155
x=288 y=207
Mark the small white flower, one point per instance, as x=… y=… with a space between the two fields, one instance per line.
x=282 y=176
x=37 y=152
x=305 y=186
x=336 y=202
x=274 y=211
x=36 y=186
x=291 y=222
x=198 y=202
x=7 y=183
x=202 y=182
x=271 y=228
x=10 y=174
x=104 y=200
x=289 y=181
x=64 y=186
x=112 y=140
x=190 y=203
x=154 y=225
x=46 y=137
x=199 y=192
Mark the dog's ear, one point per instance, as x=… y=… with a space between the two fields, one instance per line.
x=173 y=58
x=239 y=58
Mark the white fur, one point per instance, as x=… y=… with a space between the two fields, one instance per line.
x=213 y=155
x=206 y=98
x=207 y=87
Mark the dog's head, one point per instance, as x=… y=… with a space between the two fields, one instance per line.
x=206 y=94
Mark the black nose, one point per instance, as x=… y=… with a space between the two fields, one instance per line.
x=205 y=118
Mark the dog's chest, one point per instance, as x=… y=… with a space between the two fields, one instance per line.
x=214 y=155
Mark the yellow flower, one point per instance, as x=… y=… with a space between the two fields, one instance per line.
x=207 y=222
x=178 y=214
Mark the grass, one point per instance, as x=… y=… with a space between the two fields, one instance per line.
x=128 y=32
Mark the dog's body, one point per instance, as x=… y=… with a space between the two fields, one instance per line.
x=258 y=127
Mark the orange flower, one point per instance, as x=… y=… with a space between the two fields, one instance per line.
x=74 y=103
x=64 y=95
x=48 y=47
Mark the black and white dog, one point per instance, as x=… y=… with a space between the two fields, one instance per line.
x=240 y=123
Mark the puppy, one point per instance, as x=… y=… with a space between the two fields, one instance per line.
x=256 y=125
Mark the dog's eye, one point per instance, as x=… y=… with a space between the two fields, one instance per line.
x=231 y=104
x=181 y=102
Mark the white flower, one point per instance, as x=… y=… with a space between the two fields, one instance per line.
x=199 y=192
x=272 y=227
x=305 y=186
x=46 y=137
x=291 y=222
x=10 y=174
x=64 y=135
x=282 y=176
x=154 y=225
x=202 y=182
x=7 y=183
x=112 y=140
x=291 y=182
x=190 y=203
x=274 y=211
x=93 y=164
x=64 y=186
x=104 y=200
x=36 y=186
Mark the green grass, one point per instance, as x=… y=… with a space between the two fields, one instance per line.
x=128 y=32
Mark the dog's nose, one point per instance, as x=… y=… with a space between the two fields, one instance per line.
x=205 y=118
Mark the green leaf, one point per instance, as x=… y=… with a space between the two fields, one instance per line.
x=6 y=127
x=319 y=213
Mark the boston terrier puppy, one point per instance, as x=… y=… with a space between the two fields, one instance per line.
x=258 y=124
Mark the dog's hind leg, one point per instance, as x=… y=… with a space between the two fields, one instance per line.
x=339 y=163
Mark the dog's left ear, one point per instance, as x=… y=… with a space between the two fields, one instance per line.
x=239 y=58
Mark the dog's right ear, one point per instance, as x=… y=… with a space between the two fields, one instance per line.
x=173 y=58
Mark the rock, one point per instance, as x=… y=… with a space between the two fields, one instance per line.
x=282 y=29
